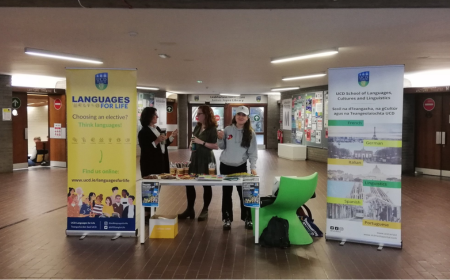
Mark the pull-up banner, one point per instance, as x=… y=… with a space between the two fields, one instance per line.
x=365 y=155
x=101 y=139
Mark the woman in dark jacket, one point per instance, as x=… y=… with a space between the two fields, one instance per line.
x=154 y=154
x=205 y=139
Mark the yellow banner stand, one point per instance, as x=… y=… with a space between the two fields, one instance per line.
x=101 y=139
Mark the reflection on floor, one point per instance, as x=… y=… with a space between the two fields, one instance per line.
x=34 y=245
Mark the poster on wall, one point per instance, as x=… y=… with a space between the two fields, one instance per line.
x=144 y=99
x=365 y=154
x=287 y=114
x=297 y=119
x=161 y=107
x=101 y=143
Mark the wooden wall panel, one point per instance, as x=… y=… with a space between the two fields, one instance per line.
x=58 y=147
x=172 y=116
x=19 y=123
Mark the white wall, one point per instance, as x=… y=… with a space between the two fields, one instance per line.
x=37 y=125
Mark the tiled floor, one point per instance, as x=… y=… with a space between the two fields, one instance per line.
x=33 y=243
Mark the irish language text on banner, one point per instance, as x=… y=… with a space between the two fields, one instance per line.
x=101 y=139
x=364 y=155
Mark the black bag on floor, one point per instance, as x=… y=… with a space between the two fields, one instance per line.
x=276 y=234
x=311 y=227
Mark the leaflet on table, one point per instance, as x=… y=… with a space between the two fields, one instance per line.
x=150 y=194
x=250 y=192
x=209 y=178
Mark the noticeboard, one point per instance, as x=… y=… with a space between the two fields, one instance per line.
x=310 y=119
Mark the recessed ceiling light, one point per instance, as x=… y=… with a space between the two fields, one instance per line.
x=230 y=94
x=163 y=55
x=199 y=82
x=303 y=77
x=284 y=89
x=64 y=56
x=148 y=88
x=306 y=55
x=133 y=33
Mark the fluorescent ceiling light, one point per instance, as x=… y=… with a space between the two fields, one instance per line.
x=303 y=77
x=61 y=56
x=230 y=94
x=284 y=89
x=35 y=81
x=305 y=56
x=148 y=88
x=433 y=78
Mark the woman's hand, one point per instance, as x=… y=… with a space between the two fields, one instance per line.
x=220 y=134
x=174 y=133
x=197 y=141
x=254 y=172
x=160 y=138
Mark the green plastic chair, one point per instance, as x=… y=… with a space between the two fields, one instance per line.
x=292 y=194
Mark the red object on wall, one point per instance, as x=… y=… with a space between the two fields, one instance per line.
x=280 y=136
x=57 y=103
x=429 y=104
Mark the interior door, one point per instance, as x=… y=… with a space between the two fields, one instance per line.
x=428 y=134
x=445 y=138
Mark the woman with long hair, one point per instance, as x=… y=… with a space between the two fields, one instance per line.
x=153 y=143
x=205 y=139
x=238 y=142
x=91 y=199
x=69 y=195
x=108 y=208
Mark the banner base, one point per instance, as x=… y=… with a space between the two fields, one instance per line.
x=102 y=233
x=393 y=245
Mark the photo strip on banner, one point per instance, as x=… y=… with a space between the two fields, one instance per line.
x=365 y=154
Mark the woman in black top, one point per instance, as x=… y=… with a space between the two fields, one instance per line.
x=205 y=139
x=154 y=154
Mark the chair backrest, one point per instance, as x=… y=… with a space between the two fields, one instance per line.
x=293 y=192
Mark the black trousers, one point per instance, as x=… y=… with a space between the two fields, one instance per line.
x=191 y=195
x=227 y=192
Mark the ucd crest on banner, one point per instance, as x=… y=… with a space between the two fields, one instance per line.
x=363 y=78
x=101 y=81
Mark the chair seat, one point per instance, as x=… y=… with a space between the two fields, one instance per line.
x=293 y=193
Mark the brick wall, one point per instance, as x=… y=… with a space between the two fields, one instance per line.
x=317 y=154
x=6 y=141
x=273 y=121
x=183 y=121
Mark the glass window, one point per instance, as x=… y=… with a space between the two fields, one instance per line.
x=218 y=113
x=256 y=117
